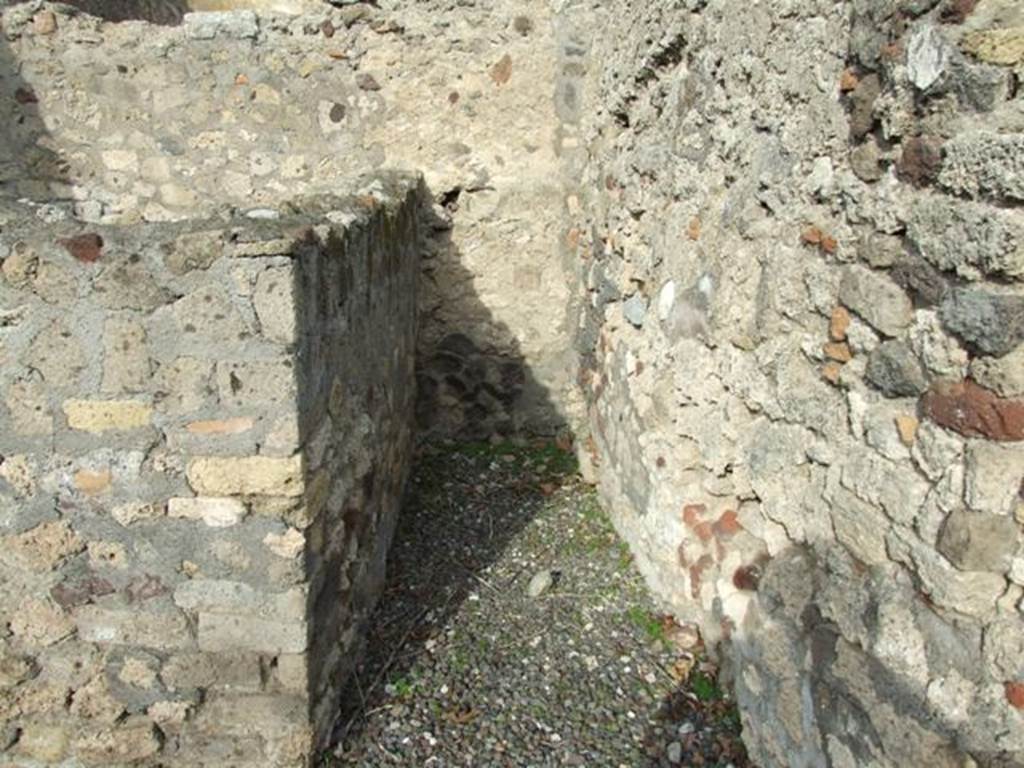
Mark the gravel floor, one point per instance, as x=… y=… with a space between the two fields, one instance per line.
x=467 y=665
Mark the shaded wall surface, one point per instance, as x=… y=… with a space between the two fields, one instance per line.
x=802 y=255
x=160 y=123
x=203 y=449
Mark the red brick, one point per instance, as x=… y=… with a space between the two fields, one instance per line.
x=974 y=411
x=87 y=247
x=1015 y=694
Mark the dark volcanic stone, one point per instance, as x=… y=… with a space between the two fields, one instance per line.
x=895 y=371
x=923 y=282
x=992 y=324
x=921 y=160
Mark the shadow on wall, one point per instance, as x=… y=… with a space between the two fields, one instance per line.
x=467 y=392
x=27 y=167
x=474 y=382
x=350 y=295
x=848 y=693
x=166 y=12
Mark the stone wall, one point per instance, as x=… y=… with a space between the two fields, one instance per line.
x=800 y=264
x=785 y=236
x=132 y=122
x=202 y=451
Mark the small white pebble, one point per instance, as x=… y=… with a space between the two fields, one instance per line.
x=262 y=213
x=674 y=753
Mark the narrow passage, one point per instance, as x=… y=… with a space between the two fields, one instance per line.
x=515 y=631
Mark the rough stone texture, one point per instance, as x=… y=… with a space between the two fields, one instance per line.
x=253 y=108
x=991 y=323
x=836 y=365
x=784 y=237
x=978 y=542
x=161 y=551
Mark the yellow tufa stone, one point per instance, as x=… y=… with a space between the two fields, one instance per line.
x=44 y=547
x=92 y=483
x=288 y=545
x=996 y=46
x=907 y=427
x=220 y=426
x=107 y=415
x=214 y=512
x=246 y=476
x=43 y=742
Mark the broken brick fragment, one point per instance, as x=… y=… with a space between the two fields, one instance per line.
x=838 y=351
x=814 y=236
x=848 y=80
x=1015 y=694
x=839 y=323
x=811 y=236
x=87 y=247
x=831 y=372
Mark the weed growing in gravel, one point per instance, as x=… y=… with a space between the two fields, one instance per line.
x=704 y=687
x=625 y=556
x=548 y=460
x=401 y=687
x=651 y=625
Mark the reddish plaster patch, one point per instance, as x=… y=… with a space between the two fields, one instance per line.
x=692 y=513
x=728 y=524
x=697 y=574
